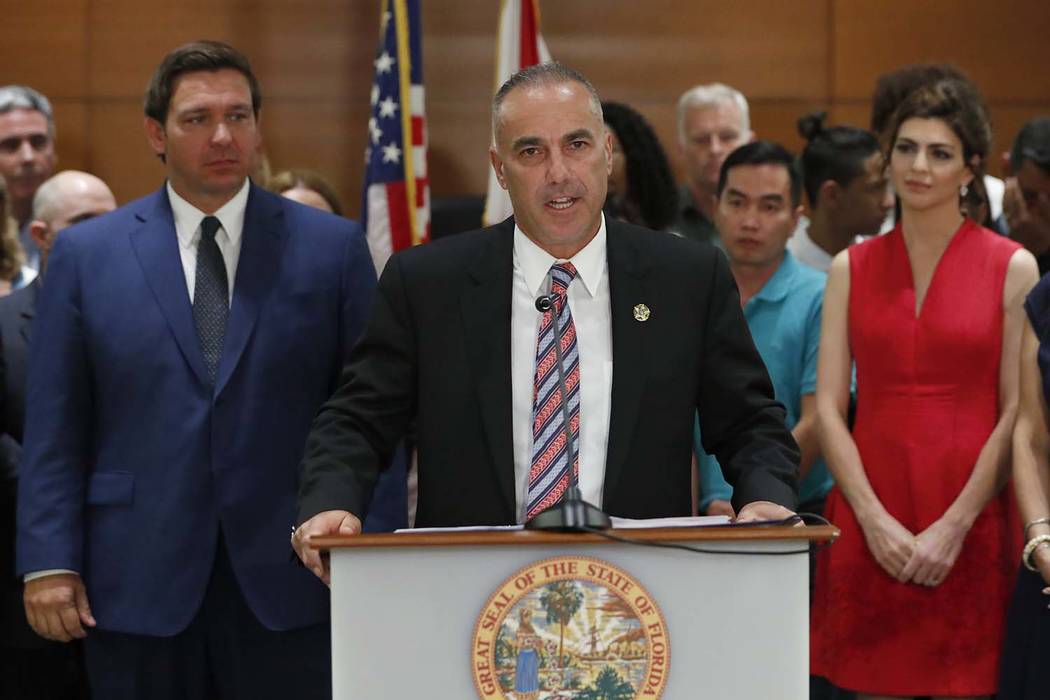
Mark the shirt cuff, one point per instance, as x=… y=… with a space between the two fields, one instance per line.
x=33 y=575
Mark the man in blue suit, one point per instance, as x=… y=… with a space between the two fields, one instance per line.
x=182 y=346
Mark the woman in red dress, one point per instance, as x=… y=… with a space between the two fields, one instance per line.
x=911 y=599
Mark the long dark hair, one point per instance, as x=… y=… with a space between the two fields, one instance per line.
x=651 y=197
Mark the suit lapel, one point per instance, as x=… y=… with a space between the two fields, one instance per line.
x=157 y=247
x=262 y=242
x=486 y=308
x=28 y=310
x=627 y=287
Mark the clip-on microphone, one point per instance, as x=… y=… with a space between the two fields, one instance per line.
x=571 y=513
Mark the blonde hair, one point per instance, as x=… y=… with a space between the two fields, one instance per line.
x=12 y=257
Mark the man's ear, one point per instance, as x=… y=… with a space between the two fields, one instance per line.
x=497 y=166
x=156 y=136
x=258 y=130
x=40 y=232
x=608 y=152
x=829 y=194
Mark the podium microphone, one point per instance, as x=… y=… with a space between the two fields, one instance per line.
x=571 y=513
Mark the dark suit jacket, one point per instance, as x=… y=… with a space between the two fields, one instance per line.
x=16 y=312
x=132 y=460
x=437 y=350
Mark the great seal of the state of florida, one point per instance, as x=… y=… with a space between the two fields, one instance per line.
x=570 y=628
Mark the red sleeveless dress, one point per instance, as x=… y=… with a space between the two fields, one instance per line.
x=927 y=400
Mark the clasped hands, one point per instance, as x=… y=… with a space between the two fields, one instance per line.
x=924 y=559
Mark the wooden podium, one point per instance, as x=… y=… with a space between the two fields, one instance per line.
x=476 y=614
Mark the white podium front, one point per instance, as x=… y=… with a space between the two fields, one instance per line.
x=544 y=616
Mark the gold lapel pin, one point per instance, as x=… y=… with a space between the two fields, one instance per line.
x=641 y=312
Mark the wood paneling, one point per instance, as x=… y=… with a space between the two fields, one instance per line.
x=44 y=46
x=120 y=154
x=658 y=49
x=314 y=60
x=1002 y=45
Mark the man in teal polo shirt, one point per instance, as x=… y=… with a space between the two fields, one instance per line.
x=759 y=192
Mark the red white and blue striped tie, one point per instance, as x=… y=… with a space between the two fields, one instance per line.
x=549 y=474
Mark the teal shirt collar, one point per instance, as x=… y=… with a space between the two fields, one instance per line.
x=777 y=286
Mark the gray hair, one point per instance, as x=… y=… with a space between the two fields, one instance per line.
x=22 y=97
x=543 y=74
x=712 y=95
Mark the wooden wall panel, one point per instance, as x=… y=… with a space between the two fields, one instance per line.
x=314 y=59
x=74 y=143
x=44 y=46
x=319 y=135
x=120 y=153
x=666 y=46
x=1002 y=45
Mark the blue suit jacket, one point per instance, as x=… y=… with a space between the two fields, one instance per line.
x=132 y=462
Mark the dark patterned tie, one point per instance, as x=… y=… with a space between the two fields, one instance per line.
x=553 y=461
x=211 y=296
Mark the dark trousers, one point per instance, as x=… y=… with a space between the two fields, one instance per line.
x=224 y=654
x=52 y=672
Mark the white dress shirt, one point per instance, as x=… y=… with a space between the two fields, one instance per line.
x=589 y=303
x=188 y=220
x=805 y=250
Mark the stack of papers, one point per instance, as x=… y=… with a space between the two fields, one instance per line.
x=618 y=524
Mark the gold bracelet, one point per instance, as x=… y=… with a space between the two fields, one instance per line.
x=1032 y=523
x=1029 y=550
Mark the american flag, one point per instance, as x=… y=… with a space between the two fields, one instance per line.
x=396 y=211
x=520 y=45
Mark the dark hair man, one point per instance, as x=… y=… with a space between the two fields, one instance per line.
x=651 y=326
x=844 y=175
x=183 y=344
x=1026 y=203
x=759 y=192
x=27 y=154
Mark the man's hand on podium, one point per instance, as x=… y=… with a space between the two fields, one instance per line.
x=329 y=522
x=757 y=511
x=57 y=607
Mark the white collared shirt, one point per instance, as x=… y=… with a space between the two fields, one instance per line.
x=805 y=250
x=590 y=306
x=188 y=220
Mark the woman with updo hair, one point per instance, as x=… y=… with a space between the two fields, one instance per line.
x=911 y=599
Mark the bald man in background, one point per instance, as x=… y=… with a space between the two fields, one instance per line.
x=30 y=666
